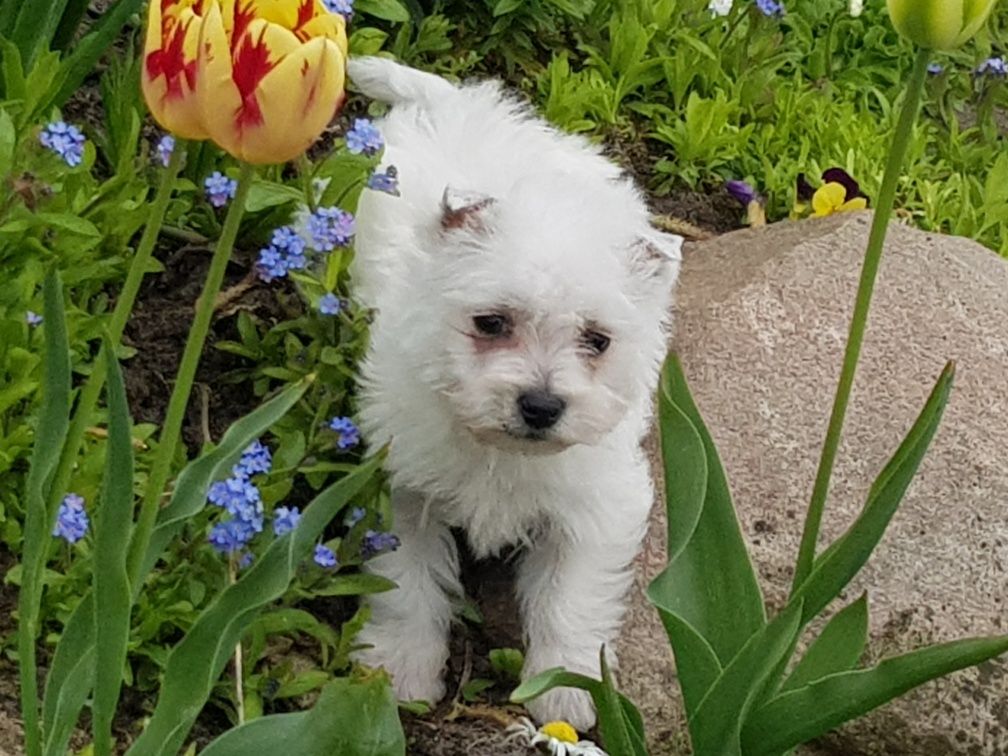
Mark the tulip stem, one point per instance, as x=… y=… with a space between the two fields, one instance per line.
x=170 y=432
x=859 y=319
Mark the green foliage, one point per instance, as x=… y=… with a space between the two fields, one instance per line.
x=619 y=722
x=745 y=690
x=332 y=725
x=53 y=37
x=750 y=97
x=197 y=661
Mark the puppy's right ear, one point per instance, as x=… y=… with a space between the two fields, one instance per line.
x=464 y=209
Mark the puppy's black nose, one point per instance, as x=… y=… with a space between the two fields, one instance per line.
x=540 y=409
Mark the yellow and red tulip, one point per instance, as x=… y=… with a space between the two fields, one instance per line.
x=168 y=76
x=939 y=24
x=261 y=78
x=269 y=75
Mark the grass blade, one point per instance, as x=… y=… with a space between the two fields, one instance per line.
x=112 y=602
x=715 y=727
x=352 y=717
x=708 y=595
x=842 y=560
x=800 y=715
x=838 y=647
x=196 y=663
x=50 y=435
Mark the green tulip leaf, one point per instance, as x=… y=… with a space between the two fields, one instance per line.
x=715 y=726
x=352 y=717
x=842 y=560
x=709 y=613
x=838 y=647
x=800 y=715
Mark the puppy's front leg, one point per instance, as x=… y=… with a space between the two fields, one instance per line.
x=409 y=626
x=572 y=589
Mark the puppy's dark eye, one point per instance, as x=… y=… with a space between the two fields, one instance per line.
x=494 y=326
x=595 y=342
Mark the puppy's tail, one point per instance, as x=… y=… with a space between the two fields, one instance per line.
x=384 y=80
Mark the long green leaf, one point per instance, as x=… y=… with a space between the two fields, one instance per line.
x=715 y=727
x=697 y=666
x=799 y=715
x=63 y=701
x=50 y=435
x=75 y=649
x=69 y=699
x=352 y=717
x=81 y=62
x=111 y=587
x=199 y=658
x=708 y=595
x=842 y=560
x=69 y=24
x=35 y=26
x=838 y=647
x=557 y=677
x=619 y=734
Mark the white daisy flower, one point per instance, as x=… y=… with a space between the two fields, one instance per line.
x=720 y=7
x=558 y=737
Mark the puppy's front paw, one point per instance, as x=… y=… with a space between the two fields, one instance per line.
x=568 y=704
x=416 y=670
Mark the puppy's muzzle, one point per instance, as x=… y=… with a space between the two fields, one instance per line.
x=540 y=409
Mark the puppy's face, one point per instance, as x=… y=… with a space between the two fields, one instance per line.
x=545 y=321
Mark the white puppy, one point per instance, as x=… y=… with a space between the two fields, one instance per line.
x=520 y=299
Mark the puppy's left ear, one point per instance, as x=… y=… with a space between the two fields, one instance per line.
x=655 y=258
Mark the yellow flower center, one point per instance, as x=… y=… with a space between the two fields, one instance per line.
x=560 y=731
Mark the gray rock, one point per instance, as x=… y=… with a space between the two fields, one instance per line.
x=761 y=324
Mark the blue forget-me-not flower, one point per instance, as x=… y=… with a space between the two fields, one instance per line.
x=71 y=520
x=66 y=140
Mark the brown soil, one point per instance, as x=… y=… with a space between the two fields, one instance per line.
x=158 y=329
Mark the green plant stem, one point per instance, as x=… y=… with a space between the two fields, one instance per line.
x=117 y=324
x=170 y=432
x=830 y=34
x=305 y=172
x=238 y=667
x=859 y=319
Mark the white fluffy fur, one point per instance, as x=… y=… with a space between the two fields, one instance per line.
x=559 y=239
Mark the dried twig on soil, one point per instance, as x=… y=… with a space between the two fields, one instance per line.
x=682 y=227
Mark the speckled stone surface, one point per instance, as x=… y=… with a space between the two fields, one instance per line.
x=762 y=317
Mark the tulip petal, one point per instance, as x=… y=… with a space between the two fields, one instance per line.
x=297 y=100
x=933 y=24
x=168 y=73
x=216 y=92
